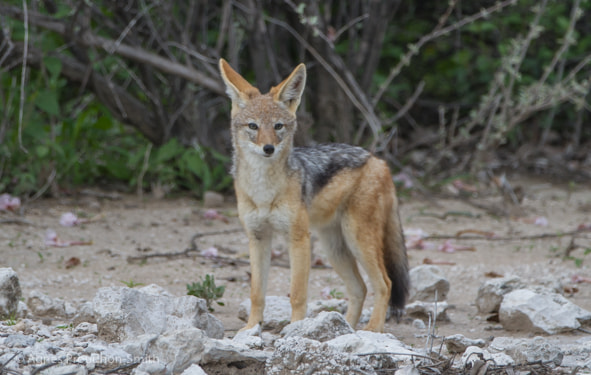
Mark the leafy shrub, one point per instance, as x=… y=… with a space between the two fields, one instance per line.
x=207 y=290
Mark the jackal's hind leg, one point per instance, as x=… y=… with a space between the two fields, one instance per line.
x=345 y=265
x=366 y=246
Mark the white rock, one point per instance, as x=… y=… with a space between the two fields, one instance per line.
x=276 y=315
x=491 y=292
x=297 y=355
x=425 y=281
x=472 y=354
x=408 y=370
x=523 y=351
x=194 y=370
x=124 y=313
x=420 y=309
x=363 y=342
x=252 y=338
x=178 y=349
x=458 y=343
x=42 y=305
x=419 y=324
x=526 y=310
x=10 y=293
x=85 y=328
x=151 y=368
x=66 y=370
x=326 y=326
x=221 y=356
x=316 y=307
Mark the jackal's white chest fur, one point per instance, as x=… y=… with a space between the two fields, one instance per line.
x=265 y=187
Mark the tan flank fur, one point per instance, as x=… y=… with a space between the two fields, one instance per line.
x=341 y=191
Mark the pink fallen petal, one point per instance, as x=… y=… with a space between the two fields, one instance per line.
x=580 y=279
x=51 y=238
x=211 y=252
x=9 y=203
x=541 y=221
x=415 y=232
x=449 y=247
x=69 y=219
x=417 y=243
x=211 y=214
x=403 y=178
x=325 y=293
x=584 y=227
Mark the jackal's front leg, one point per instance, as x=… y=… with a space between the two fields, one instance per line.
x=259 y=246
x=300 y=259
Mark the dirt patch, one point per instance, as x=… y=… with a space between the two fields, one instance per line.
x=128 y=227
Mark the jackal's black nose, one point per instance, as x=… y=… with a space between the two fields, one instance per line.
x=269 y=149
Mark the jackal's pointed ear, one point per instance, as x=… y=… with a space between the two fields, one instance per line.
x=289 y=92
x=239 y=90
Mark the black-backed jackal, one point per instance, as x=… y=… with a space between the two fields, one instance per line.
x=342 y=191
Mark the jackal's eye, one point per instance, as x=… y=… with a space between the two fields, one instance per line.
x=252 y=126
x=278 y=126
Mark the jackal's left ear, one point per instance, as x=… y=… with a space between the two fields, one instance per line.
x=289 y=92
x=239 y=90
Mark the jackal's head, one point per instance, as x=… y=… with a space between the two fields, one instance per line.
x=263 y=124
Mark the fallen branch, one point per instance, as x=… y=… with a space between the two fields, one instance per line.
x=506 y=238
x=193 y=251
x=17 y=220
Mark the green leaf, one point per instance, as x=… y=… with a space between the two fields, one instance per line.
x=41 y=151
x=46 y=100
x=53 y=65
x=168 y=151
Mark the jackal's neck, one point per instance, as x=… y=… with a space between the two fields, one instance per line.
x=253 y=168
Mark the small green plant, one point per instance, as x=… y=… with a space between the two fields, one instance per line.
x=11 y=320
x=336 y=294
x=207 y=290
x=131 y=283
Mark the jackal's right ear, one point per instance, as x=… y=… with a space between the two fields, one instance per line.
x=289 y=92
x=239 y=90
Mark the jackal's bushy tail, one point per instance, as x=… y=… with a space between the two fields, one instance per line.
x=396 y=262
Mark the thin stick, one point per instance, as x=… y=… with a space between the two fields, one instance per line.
x=140 y=178
x=437 y=32
x=23 y=77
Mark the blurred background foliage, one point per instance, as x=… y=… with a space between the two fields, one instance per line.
x=126 y=94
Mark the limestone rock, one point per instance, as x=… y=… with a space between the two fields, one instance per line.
x=252 y=338
x=326 y=326
x=194 y=370
x=458 y=343
x=299 y=356
x=524 y=351
x=491 y=292
x=316 y=307
x=123 y=313
x=362 y=342
x=526 y=310
x=423 y=310
x=473 y=355
x=42 y=305
x=10 y=293
x=425 y=280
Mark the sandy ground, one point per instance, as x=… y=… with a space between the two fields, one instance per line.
x=130 y=227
